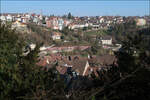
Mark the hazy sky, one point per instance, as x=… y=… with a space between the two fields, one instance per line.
x=78 y=7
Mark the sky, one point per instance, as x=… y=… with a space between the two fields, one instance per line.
x=77 y=7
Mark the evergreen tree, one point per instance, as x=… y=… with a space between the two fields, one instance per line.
x=133 y=63
x=95 y=47
x=20 y=77
x=10 y=52
x=69 y=16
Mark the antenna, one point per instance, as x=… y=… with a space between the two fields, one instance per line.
x=41 y=12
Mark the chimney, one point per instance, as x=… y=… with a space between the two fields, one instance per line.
x=69 y=57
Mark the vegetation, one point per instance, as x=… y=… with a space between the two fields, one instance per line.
x=120 y=30
x=38 y=34
x=70 y=16
x=133 y=63
x=20 y=77
x=97 y=32
x=128 y=78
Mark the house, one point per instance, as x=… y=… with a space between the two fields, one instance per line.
x=24 y=20
x=60 y=23
x=77 y=65
x=36 y=19
x=32 y=46
x=28 y=16
x=95 y=26
x=106 y=40
x=101 y=20
x=140 y=22
x=80 y=66
x=18 y=19
x=18 y=25
x=2 y=18
x=56 y=35
x=85 y=66
x=9 y=18
x=46 y=18
x=78 y=25
x=55 y=23
x=52 y=22
x=66 y=22
x=40 y=17
x=48 y=23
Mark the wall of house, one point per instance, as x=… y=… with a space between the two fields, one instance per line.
x=55 y=37
x=107 y=42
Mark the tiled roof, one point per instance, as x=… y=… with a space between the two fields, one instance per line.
x=42 y=63
x=104 y=60
x=78 y=63
x=56 y=33
x=106 y=37
x=62 y=70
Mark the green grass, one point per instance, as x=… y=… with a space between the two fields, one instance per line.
x=97 y=32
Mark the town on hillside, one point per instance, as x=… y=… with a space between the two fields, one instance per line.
x=82 y=44
x=85 y=51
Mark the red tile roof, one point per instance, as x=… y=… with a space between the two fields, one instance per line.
x=78 y=63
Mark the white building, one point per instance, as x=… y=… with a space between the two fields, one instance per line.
x=46 y=18
x=32 y=46
x=18 y=19
x=76 y=26
x=56 y=36
x=24 y=19
x=2 y=18
x=28 y=16
x=9 y=18
x=19 y=25
x=106 y=40
x=41 y=17
x=141 y=22
x=60 y=24
x=101 y=20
